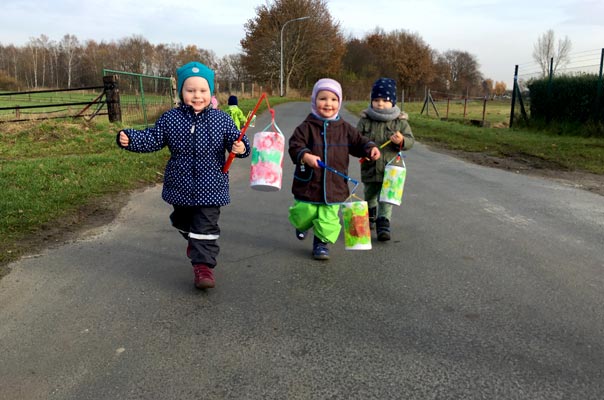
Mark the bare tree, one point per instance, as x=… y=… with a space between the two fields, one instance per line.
x=545 y=49
x=488 y=87
x=44 y=46
x=462 y=71
x=34 y=53
x=134 y=54
x=70 y=47
x=55 y=52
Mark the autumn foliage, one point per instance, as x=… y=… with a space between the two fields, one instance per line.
x=313 y=48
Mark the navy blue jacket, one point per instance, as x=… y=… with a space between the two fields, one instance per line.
x=198 y=144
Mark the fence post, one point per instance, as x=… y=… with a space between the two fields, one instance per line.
x=425 y=106
x=598 y=114
x=173 y=90
x=514 y=86
x=548 y=114
x=465 y=105
x=112 y=97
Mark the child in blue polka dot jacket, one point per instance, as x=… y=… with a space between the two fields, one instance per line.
x=199 y=138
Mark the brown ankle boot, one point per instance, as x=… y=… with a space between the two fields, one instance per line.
x=204 y=276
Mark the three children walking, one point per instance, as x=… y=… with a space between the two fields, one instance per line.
x=199 y=137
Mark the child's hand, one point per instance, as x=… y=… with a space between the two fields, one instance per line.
x=311 y=160
x=397 y=138
x=124 y=140
x=375 y=153
x=238 y=147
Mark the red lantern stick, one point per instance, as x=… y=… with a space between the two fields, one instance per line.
x=231 y=157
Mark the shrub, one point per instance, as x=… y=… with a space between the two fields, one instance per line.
x=566 y=99
x=7 y=82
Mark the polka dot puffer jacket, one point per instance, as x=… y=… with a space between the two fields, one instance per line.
x=198 y=144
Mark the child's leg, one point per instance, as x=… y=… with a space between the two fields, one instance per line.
x=384 y=210
x=327 y=229
x=181 y=219
x=327 y=226
x=203 y=238
x=302 y=215
x=203 y=245
x=383 y=221
x=199 y=225
x=371 y=192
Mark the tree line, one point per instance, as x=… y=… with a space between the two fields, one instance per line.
x=312 y=48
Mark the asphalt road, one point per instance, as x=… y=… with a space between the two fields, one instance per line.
x=492 y=288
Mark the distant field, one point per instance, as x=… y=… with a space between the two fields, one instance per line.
x=565 y=151
x=131 y=104
x=497 y=112
x=38 y=99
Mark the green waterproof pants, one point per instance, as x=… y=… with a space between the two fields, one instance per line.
x=323 y=218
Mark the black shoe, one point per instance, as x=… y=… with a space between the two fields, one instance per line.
x=320 y=251
x=301 y=235
x=383 y=229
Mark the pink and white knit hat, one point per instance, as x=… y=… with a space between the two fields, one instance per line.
x=326 y=84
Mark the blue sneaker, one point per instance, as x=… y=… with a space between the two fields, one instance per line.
x=301 y=235
x=320 y=251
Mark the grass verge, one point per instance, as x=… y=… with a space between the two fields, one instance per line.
x=565 y=152
x=56 y=173
x=51 y=170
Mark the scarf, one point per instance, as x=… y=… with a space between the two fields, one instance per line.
x=389 y=114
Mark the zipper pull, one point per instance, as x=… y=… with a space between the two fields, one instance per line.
x=193 y=129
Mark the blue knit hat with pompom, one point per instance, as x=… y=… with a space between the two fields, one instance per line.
x=384 y=88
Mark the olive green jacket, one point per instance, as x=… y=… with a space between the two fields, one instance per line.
x=380 y=132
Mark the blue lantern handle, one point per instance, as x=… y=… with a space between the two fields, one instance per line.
x=335 y=171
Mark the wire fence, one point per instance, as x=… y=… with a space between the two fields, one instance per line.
x=485 y=111
x=583 y=62
x=143 y=98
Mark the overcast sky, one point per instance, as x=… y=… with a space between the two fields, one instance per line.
x=498 y=33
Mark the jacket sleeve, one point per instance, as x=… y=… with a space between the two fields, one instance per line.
x=146 y=140
x=407 y=134
x=361 y=145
